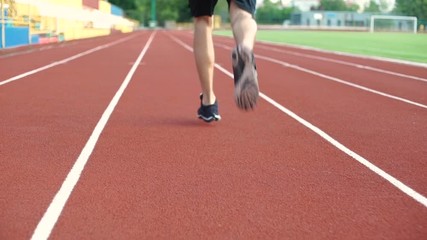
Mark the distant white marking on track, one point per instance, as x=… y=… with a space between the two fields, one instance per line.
x=395 y=182
x=50 y=217
x=140 y=64
x=63 y=61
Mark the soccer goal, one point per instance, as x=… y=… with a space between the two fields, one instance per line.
x=387 y=23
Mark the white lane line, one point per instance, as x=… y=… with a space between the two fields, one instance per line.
x=285 y=64
x=28 y=51
x=374 y=69
x=65 y=60
x=50 y=217
x=394 y=181
x=366 y=67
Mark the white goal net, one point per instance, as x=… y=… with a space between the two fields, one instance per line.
x=386 y=23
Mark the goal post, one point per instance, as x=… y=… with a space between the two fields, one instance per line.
x=393 y=23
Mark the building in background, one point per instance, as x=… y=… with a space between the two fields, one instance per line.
x=306 y=5
x=46 y=21
x=354 y=21
x=331 y=20
x=303 y=5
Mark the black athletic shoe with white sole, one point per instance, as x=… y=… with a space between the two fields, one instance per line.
x=208 y=113
x=246 y=90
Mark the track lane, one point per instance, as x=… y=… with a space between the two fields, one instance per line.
x=45 y=123
x=15 y=65
x=386 y=132
x=410 y=85
x=346 y=63
x=158 y=172
x=411 y=154
x=400 y=86
x=35 y=48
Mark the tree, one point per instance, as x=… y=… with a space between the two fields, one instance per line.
x=416 y=8
x=221 y=9
x=124 y=4
x=165 y=10
x=333 y=5
x=139 y=12
x=372 y=7
x=386 y=6
x=272 y=13
x=353 y=7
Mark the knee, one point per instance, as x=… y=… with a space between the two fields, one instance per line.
x=203 y=21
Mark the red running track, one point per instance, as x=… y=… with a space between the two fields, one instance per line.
x=117 y=116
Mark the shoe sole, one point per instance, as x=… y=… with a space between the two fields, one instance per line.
x=246 y=90
x=211 y=118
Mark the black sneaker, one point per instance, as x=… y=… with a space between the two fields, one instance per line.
x=246 y=90
x=208 y=113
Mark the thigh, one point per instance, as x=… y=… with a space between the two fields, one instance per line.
x=202 y=7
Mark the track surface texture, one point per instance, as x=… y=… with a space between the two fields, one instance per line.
x=99 y=139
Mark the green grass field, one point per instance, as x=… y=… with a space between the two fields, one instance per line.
x=404 y=46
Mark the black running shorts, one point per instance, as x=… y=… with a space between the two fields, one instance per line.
x=206 y=7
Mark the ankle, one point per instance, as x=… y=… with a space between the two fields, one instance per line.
x=208 y=99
